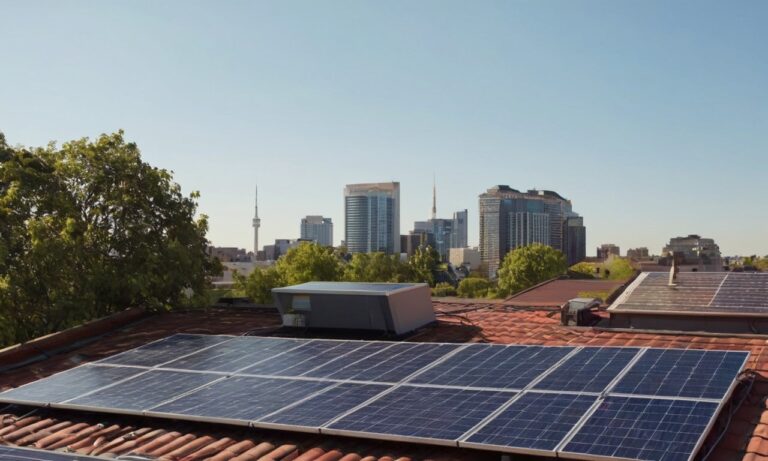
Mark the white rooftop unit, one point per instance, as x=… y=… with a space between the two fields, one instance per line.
x=395 y=308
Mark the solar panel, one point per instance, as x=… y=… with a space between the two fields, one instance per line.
x=240 y=399
x=394 y=363
x=493 y=366
x=350 y=359
x=300 y=360
x=345 y=287
x=743 y=291
x=436 y=415
x=535 y=423
x=323 y=407
x=682 y=373
x=233 y=355
x=143 y=391
x=68 y=384
x=643 y=429
x=165 y=350
x=589 y=370
x=27 y=454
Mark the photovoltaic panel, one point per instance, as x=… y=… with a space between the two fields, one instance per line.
x=589 y=370
x=493 y=366
x=534 y=422
x=68 y=384
x=27 y=454
x=744 y=292
x=233 y=355
x=394 y=363
x=241 y=398
x=309 y=355
x=165 y=350
x=324 y=407
x=350 y=359
x=413 y=413
x=643 y=429
x=682 y=373
x=144 y=391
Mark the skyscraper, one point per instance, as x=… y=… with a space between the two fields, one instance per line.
x=317 y=228
x=256 y=224
x=459 y=231
x=372 y=217
x=510 y=218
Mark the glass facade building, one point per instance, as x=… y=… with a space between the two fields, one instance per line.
x=372 y=217
x=318 y=229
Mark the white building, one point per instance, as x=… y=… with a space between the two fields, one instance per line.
x=318 y=229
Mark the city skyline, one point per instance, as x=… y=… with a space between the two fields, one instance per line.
x=636 y=111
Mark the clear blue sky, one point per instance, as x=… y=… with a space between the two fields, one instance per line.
x=652 y=116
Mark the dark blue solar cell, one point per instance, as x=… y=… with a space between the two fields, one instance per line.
x=304 y=358
x=233 y=355
x=494 y=366
x=26 y=454
x=682 y=373
x=536 y=421
x=589 y=370
x=742 y=292
x=146 y=390
x=242 y=398
x=326 y=406
x=69 y=384
x=394 y=363
x=165 y=350
x=336 y=366
x=423 y=412
x=645 y=429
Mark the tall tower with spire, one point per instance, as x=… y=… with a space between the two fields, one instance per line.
x=434 y=198
x=256 y=225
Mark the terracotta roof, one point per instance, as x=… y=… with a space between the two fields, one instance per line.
x=556 y=292
x=115 y=435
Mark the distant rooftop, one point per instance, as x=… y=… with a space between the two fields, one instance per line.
x=347 y=288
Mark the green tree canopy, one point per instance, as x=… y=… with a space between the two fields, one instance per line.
x=259 y=283
x=474 y=287
x=375 y=267
x=309 y=262
x=527 y=266
x=88 y=229
x=423 y=265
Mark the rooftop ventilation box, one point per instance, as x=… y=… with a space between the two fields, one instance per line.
x=395 y=308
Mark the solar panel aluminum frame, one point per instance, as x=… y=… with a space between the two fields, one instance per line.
x=46 y=454
x=616 y=306
x=702 y=438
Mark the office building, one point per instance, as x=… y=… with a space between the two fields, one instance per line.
x=607 y=250
x=510 y=219
x=694 y=250
x=372 y=217
x=317 y=229
x=468 y=257
x=639 y=254
x=459 y=232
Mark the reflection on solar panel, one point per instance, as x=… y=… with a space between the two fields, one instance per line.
x=679 y=373
x=556 y=401
x=589 y=370
x=536 y=421
x=68 y=384
x=323 y=407
x=241 y=398
x=144 y=391
x=706 y=292
x=27 y=454
x=493 y=366
x=638 y=428
x=411 y=413
x=165 y=350
x=345 y=287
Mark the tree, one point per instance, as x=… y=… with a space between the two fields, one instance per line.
x=474 y=287
x=258 y=284
x=88 y=229
x=583 y=270
x=444 y=289
x=618 y=269
x=374 y=267
x=527 y=266
x=309 y=262
x=422 y=265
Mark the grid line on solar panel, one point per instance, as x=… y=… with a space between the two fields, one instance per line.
x=234 y=355
x=297 y=361
x=534 y=422
x=428 y=415
x=239 y=399
x=69 y=384
x=8 y=453
x=644 y=429
x=165 y=350
x=142 y=392
x=702 y=374
x=490 y=366
x=591 y=369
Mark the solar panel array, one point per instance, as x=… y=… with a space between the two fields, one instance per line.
x=706 y=292
x=658 y=403
x=28 y=454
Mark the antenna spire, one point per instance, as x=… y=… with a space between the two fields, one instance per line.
x=434 y=198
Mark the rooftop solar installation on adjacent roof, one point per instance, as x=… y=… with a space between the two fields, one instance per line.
x=28 y=454
x=556 y=401
x=347 y=288
x=728 y=293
